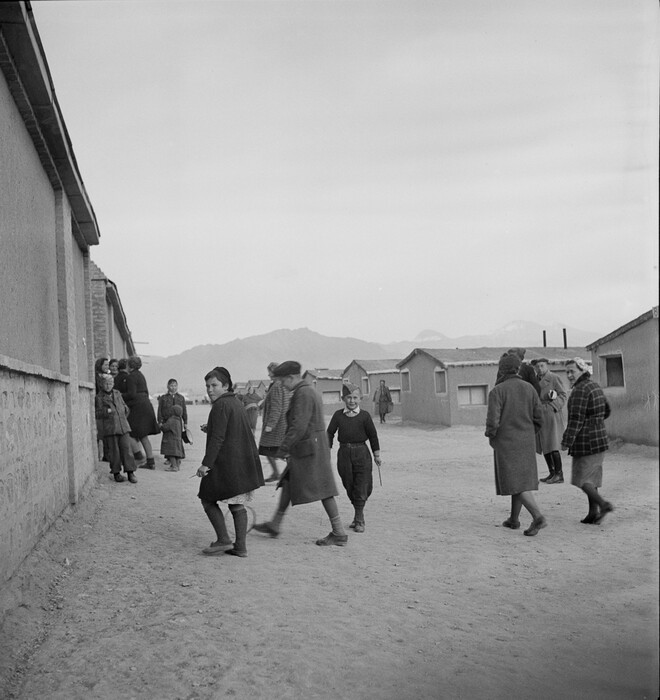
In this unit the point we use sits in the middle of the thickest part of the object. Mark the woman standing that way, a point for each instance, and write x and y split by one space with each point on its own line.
585 437
548 439
513 419
275 406
141 418
231 468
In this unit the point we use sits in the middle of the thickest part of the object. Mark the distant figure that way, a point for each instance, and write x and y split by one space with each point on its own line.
231 468
171 444
513 418
114 367
548 439
383 401
308 476
166 402
113 427
251 400
525 371
354 465
142 417
275 406
585 437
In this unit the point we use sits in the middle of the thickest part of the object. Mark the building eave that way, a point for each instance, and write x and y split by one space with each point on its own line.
646 316
23 63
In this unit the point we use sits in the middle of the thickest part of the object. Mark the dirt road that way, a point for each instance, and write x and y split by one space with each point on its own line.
435 599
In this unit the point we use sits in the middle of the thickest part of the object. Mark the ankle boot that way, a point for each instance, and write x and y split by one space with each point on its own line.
151 464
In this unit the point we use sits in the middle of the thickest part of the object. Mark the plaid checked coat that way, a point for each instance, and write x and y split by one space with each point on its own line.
588 408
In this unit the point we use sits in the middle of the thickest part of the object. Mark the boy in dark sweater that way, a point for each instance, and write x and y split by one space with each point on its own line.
354 464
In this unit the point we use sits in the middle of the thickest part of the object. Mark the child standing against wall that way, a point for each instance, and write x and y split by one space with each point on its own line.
355 427
171 444
113 427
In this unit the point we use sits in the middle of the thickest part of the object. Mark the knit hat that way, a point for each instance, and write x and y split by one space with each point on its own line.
287 368
519 352
177 410
580 364
509 364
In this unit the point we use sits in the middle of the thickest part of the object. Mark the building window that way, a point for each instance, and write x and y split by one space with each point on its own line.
472 395
405 380
614 370
365 386
396 395
331 397
440 381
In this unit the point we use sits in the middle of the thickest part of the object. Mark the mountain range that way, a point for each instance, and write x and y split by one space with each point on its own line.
247 358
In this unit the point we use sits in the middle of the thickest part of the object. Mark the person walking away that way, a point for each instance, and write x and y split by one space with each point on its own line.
112 419
548 440
120 385
585 437
355 427
383 400
308 475
252 401
231 468
526 372
275 405
512 421
171 444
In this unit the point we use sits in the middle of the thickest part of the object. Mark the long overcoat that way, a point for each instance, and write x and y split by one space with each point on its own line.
111 414
588 408
171 444
165 404
309 468
142 417
548 439
231 452
275 407
513 418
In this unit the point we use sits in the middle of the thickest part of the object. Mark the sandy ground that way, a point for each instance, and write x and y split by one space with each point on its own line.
434 600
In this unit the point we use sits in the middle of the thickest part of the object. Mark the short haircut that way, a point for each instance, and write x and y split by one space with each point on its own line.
134 362
221 374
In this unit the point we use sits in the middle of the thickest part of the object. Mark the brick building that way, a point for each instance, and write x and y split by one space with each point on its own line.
112 337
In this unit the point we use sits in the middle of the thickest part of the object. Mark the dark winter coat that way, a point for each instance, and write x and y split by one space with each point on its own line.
588 408
111 414
142 417
513 418
306 443
171 444
548 439
231 452
165 403
120 381
275 407
383 400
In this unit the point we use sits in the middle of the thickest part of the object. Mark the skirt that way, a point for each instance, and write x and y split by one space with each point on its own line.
267 451
241 499
588 470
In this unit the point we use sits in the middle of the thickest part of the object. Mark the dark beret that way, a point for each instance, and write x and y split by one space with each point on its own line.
543 359
287 368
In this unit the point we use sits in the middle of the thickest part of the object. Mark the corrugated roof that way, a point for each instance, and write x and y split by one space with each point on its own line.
376 366
325 373
476 356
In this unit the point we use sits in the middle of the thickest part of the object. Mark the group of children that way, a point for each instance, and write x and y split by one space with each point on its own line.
113 428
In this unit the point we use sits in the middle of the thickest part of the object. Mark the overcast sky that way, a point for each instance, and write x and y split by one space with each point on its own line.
366 169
